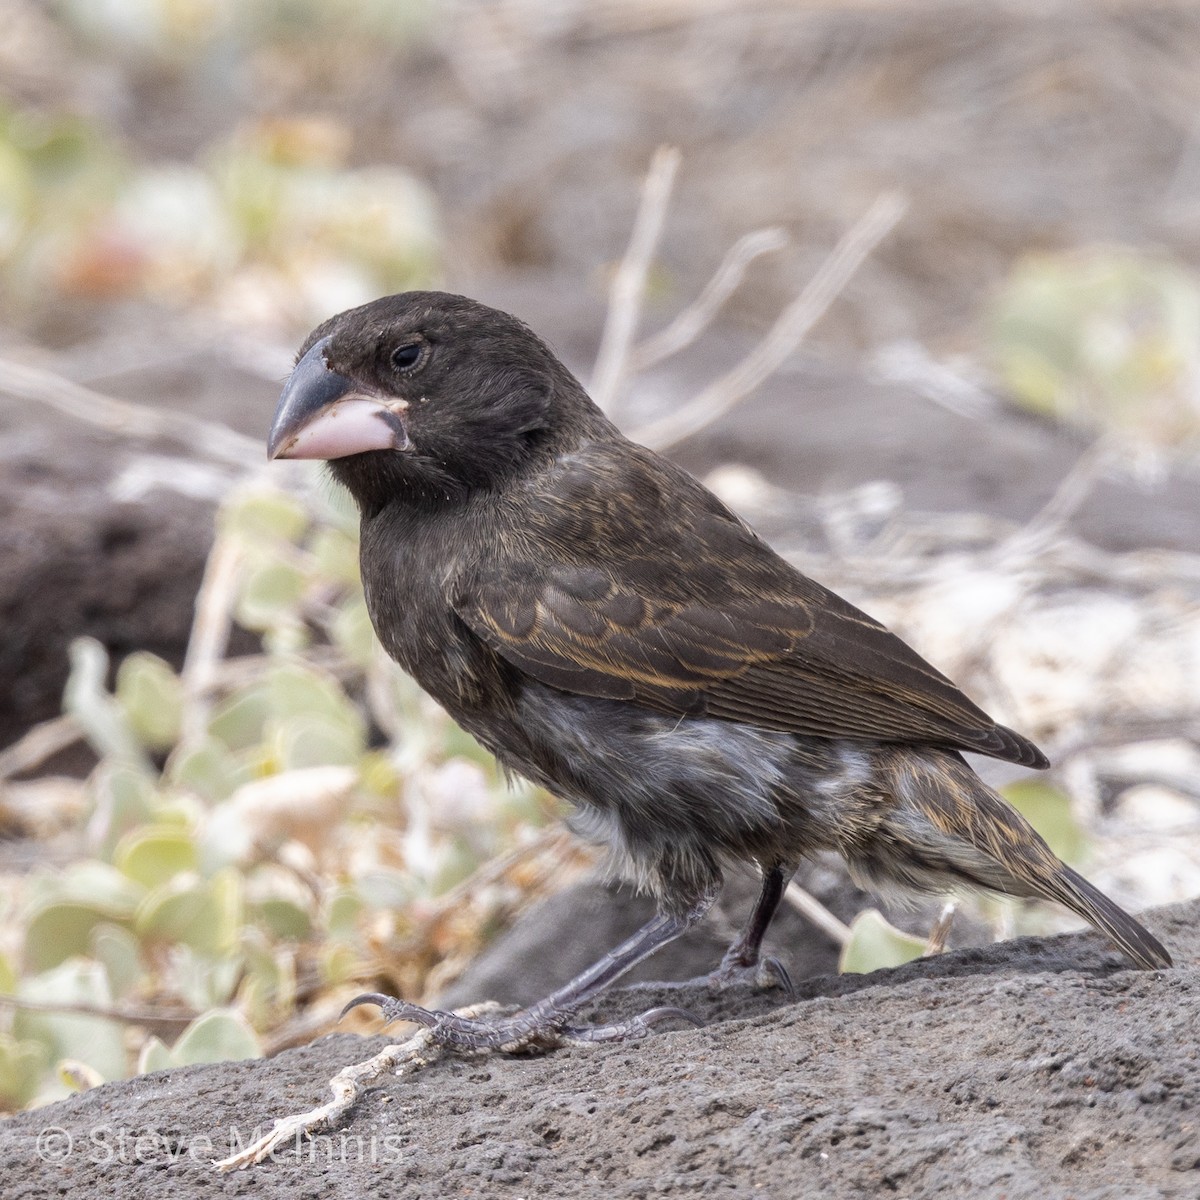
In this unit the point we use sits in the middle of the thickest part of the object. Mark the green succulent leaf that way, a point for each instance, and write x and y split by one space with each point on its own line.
23 1062
314 741
219 1036
264 515
237 723
125 798
352 632
210 768
874 943
336 555
102 719
152 856
116 949
342 910
151 697
283 918
154 1056
201 913
271 595
97 1041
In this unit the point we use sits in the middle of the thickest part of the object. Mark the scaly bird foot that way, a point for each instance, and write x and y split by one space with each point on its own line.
762 974
539 1027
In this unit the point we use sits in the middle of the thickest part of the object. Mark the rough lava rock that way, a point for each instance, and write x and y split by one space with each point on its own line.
1037 1068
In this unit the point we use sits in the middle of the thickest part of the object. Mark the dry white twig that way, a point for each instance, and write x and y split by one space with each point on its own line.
789 330
908 363
1077 485
41 742
629 283
699 315
210 635
129 420
808 906
400 1059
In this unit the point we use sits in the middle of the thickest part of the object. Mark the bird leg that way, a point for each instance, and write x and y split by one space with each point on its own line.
743 961
547 1024
935 943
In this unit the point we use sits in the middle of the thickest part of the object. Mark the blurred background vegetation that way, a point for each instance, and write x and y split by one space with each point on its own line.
245 812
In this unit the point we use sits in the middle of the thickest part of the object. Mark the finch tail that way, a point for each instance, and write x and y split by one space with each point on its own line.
999 830
946 824
1097 909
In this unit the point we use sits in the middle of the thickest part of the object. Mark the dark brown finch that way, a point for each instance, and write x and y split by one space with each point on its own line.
607 628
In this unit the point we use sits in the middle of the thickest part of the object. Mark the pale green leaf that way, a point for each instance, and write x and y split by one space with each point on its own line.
283 918
201 980
151 697
352 631
23 1062
94 884
238 721
78 1076
154 1056
151 856
336 554
314 741
874 944
210 768
96 1041
300 691
88 700
57 932
386 889
117 950
219 1036
124 798
264 515
8 975
271 595
342 909
186 909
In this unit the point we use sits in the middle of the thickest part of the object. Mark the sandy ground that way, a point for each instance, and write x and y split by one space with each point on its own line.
1037 1068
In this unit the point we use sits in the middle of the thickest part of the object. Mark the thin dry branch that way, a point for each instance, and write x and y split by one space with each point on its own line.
125 1014
789 330
129 420
210 634
629 283
1077 485
699 315
398 1060
38 744
808 906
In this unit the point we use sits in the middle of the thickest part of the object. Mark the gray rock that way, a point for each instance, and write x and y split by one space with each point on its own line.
1035 1069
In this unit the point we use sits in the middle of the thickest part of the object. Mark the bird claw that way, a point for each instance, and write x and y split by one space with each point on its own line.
394 1010
762 975
539 1027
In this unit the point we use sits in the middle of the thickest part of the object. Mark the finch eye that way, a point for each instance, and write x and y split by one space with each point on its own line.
405 357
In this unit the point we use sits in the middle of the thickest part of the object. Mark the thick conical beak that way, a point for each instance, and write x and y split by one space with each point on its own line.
322 414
